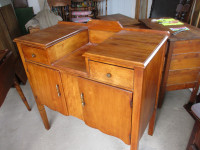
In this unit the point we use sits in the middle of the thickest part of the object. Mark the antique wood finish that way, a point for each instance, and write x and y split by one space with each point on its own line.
9 29
7 73
110 74
8 76
21 94
110 82
101 112
71 91
182 58
51 91
35 54
123 20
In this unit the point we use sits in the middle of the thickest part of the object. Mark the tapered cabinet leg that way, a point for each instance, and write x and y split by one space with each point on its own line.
152 123
19 90
43 116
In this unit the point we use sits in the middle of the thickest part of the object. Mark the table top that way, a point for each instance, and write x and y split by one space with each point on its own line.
128 48
124 20
50 36
193 33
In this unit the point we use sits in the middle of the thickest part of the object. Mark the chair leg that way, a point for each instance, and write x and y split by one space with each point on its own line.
19 90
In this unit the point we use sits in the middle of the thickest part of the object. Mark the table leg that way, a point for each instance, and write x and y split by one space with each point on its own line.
19 90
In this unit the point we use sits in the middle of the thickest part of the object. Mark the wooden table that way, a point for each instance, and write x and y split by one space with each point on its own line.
98 72
182 65
125 21
8 76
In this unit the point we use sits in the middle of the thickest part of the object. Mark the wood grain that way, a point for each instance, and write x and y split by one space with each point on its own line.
185 61
182 76
44 81
107 108
118 76
69 45
97 36
35 54
72 95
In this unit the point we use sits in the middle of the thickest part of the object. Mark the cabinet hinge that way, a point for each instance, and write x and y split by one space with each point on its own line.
130 137
131 103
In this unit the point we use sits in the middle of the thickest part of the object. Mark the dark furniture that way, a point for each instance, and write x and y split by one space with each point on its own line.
179 9
7 76
9 29
194 141
182 65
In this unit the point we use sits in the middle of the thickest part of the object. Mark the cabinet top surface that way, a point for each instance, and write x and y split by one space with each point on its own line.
192 33
128 48
50 36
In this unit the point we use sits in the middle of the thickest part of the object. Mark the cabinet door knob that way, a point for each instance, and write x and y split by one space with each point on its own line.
82 100
109 75
58 90
33 55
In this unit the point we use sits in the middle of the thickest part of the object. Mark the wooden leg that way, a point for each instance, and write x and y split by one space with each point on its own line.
152 123
19 90
192 136
193 96
43 115
161 97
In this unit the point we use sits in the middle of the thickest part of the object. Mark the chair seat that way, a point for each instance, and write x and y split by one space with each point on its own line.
196 109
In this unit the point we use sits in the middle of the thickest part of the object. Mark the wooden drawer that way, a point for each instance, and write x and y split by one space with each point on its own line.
114 75
183 76
185 61
34 54
188 46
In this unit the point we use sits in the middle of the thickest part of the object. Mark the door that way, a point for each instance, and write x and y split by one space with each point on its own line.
47 87
106 108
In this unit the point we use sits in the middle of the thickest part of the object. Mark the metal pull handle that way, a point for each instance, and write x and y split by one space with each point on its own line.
58 90
33 55
109 75
82 99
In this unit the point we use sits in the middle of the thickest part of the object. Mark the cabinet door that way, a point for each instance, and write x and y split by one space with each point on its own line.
107 108
47 87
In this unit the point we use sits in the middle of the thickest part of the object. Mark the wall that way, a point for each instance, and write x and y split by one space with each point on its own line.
35 5
125 7
4 2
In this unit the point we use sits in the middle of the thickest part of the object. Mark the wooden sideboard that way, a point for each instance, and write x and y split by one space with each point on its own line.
104 74
182 64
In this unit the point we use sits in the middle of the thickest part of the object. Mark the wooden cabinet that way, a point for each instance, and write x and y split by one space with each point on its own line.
182 63
47 87
107 108
111 82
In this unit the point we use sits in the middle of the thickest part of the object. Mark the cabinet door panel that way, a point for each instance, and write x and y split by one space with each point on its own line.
72 94
107 108
47 87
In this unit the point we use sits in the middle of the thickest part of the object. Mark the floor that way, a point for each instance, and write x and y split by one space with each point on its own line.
23 130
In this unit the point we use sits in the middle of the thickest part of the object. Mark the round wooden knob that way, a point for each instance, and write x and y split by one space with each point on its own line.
108 75
33 55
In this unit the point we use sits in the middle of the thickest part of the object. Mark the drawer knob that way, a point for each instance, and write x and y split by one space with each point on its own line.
33 55
109 75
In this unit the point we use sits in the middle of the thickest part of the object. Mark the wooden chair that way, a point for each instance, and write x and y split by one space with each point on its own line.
194 141
61 8
8 77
